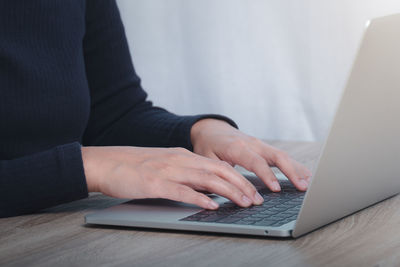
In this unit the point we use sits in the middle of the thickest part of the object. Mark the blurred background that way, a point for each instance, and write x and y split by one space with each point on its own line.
276 67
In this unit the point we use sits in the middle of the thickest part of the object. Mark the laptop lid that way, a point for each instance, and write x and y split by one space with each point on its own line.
360 162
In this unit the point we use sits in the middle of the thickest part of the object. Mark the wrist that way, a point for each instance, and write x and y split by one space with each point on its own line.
89 167
202 126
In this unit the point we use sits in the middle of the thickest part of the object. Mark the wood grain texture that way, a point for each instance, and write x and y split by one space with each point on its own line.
59 237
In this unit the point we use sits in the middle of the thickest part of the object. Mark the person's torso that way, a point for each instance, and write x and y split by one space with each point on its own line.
44 99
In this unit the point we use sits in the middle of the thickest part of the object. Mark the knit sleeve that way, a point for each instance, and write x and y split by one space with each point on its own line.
120 112
59 178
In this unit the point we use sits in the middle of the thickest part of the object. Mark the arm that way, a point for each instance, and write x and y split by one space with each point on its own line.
120 113
41 180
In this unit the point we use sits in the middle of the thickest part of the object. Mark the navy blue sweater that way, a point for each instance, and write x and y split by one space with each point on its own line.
66 80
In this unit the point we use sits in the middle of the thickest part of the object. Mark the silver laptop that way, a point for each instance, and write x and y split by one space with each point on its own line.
358 167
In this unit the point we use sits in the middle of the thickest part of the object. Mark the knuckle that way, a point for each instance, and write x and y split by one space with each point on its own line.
155 188
206 174
251 189
257 163
227 165
255 140
223 165
181 150
271 178
232 152
199 199
173 156
281 156
239 142
181 193
159 165
237 195
213 184
147 175
248 189
175 153
166 169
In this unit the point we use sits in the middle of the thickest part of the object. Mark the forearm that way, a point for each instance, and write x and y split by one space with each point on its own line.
41 180
120 112
151 126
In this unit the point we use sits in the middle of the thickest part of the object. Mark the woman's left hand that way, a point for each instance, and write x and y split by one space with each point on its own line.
217 139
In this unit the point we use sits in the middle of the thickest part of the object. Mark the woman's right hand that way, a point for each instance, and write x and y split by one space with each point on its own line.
170 173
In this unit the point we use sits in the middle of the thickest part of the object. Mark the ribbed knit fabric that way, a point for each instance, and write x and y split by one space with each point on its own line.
66 79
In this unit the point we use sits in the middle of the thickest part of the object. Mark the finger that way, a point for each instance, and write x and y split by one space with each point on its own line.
229 174
183 193
269 153
255 163
287 165
212 156
225 171
215 157
305 172
207 180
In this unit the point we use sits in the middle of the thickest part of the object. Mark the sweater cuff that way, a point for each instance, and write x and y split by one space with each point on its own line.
189 121
72 172
42 180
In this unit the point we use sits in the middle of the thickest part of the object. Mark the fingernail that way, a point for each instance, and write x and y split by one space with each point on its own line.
259 199
276 186
213 205
304 183
246 200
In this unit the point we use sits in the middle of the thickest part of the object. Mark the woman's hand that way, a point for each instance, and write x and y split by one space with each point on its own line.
217 139
171 173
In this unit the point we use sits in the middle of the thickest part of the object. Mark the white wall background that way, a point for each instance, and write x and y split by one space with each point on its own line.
277 67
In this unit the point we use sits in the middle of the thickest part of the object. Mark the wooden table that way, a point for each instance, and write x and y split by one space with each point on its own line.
59 237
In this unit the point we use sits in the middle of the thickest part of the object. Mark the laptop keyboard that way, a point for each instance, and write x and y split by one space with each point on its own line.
276 210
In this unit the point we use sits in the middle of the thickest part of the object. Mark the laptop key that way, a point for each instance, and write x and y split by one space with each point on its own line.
259 215
278 208
211 218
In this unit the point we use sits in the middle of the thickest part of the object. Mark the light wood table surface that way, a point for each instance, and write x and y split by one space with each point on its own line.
59 237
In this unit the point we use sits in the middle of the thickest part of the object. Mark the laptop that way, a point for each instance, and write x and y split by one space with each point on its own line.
358 166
